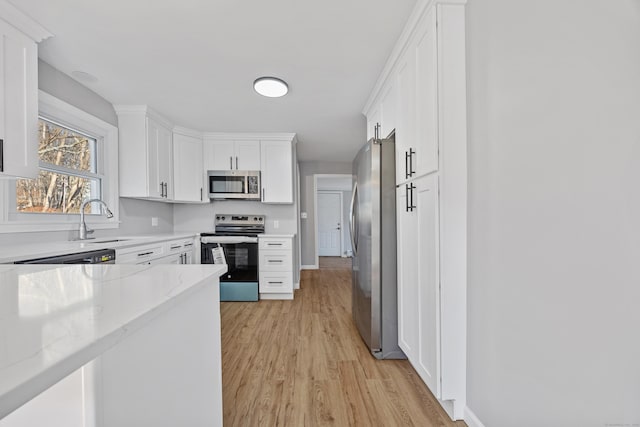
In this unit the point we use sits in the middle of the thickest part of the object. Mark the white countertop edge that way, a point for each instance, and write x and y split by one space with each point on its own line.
47 249
276 236
12 399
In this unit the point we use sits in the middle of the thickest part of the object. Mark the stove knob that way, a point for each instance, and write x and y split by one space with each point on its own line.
217 217
224 217
255 218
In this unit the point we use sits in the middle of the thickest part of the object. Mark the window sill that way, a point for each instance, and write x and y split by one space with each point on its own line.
29 227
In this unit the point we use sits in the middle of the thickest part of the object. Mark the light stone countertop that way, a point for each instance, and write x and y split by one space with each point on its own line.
54 319
12 253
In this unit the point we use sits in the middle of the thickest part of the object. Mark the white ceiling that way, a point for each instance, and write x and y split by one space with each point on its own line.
194 61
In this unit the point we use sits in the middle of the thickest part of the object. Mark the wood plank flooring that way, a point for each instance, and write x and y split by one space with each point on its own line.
303 363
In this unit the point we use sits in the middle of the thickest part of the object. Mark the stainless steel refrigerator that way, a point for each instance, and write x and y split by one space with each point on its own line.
373 238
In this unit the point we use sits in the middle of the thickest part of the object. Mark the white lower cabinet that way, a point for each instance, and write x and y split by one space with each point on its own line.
275 261
419 278
179 251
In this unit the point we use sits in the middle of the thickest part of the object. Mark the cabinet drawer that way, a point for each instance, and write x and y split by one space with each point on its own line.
274 243
275 261
138 255
276 282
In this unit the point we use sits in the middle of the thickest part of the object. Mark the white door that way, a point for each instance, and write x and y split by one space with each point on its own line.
247 155
408 287
276 171
429 281
329 224
187 168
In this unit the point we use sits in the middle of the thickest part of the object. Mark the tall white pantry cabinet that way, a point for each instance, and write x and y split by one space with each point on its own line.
422 95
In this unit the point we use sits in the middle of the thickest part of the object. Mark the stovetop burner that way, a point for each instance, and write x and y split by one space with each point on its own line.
238 225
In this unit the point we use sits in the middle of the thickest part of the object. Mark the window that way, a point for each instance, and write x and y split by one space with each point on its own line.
68 172
78 160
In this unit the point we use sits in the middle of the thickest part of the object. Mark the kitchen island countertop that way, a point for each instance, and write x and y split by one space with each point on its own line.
54 319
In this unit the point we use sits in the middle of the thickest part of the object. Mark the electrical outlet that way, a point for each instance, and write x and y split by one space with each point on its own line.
276 224
154 221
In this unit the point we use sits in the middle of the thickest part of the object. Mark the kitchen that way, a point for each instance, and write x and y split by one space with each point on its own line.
513 80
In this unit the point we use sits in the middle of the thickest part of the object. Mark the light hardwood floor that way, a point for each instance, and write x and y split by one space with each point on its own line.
302 363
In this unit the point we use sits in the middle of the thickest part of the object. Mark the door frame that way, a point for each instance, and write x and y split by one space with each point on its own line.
315 212
339 193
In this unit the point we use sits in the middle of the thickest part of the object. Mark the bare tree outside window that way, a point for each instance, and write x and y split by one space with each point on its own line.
68 172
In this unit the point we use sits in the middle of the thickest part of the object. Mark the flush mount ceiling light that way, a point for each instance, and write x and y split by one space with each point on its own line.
271 86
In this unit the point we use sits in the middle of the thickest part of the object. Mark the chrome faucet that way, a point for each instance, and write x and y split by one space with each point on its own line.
83 227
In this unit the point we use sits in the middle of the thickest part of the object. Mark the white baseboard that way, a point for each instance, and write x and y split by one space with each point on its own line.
296 285
309 267
471 419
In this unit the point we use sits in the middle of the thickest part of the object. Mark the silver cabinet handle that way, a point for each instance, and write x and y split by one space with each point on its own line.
230 162
166 190
1 155
274 244
236 162
162 189
200 193
275 283
275 260
145 253
263 194
175 247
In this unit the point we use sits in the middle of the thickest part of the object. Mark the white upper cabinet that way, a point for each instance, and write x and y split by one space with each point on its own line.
247 155
19 93
276 171
406 120
425 158
145 154
388 108
187 167
221 154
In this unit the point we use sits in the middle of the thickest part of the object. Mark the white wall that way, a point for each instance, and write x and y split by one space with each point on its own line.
554 224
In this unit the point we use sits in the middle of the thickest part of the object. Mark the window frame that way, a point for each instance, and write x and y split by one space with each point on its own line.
106 135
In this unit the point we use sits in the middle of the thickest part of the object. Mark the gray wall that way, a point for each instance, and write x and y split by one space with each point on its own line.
135 215
307 171
554 212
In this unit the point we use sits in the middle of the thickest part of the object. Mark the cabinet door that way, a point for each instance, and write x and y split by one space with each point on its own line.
426 52
407 252
18 103
219 155
427 207
373 119
388 107
165 161
276 171
187 168
406 120
154 148
247 155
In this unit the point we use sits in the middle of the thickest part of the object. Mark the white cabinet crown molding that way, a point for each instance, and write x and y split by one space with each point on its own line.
143 109
236 136
23 22
187 132
420 9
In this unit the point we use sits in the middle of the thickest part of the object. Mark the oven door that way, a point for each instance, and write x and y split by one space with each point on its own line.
241 259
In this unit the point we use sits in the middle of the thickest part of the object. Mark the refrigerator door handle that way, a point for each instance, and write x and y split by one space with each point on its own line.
352 219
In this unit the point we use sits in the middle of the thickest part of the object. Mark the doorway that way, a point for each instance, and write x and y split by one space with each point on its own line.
332 198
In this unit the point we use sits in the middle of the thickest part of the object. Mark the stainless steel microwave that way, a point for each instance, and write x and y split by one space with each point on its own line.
234 185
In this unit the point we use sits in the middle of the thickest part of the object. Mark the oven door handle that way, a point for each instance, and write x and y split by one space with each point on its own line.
228 239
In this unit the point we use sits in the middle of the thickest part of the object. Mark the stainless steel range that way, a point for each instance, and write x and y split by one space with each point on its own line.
235 242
